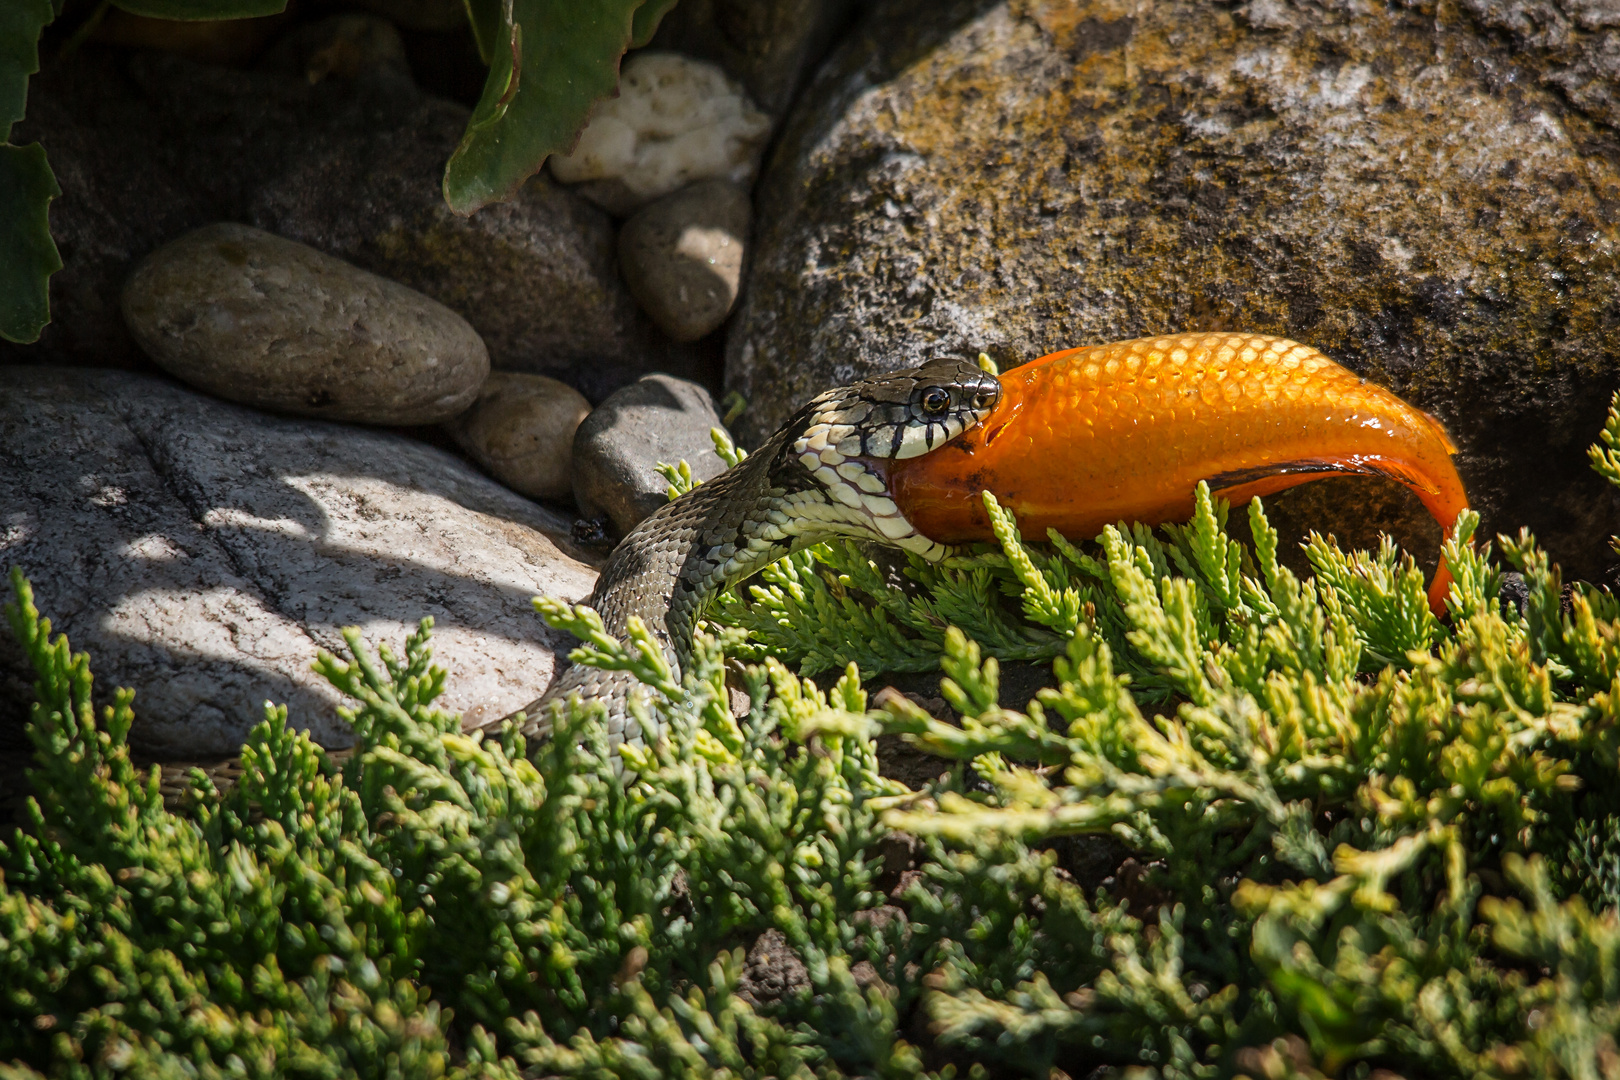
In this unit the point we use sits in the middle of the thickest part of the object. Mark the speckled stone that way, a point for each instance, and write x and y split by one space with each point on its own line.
658 418
268 322
682 257
1428 194
521 429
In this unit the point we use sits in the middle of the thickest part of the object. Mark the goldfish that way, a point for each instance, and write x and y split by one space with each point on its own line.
1125 431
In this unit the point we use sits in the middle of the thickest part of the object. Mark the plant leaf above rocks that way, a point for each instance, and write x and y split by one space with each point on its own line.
549 61
1258 825
28 256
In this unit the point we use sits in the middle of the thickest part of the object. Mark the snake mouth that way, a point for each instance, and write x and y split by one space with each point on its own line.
884 515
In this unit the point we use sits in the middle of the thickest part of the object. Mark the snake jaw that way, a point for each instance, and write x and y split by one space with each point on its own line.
850 436
859 488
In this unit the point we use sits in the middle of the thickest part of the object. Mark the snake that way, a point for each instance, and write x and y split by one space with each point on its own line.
824 474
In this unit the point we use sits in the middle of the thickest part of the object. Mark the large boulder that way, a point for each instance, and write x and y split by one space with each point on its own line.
202 553
770 46
1426 193
148 146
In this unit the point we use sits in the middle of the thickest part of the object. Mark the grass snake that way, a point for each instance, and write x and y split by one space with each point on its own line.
823 475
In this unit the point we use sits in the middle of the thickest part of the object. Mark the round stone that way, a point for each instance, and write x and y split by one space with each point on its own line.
521 429
254 318
617 449
682 257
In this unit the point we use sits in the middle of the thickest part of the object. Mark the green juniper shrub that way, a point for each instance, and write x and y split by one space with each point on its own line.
1359 838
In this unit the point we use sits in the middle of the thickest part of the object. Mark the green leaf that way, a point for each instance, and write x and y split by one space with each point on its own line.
648 16
28 255
551 61
202 10
20 24
485 17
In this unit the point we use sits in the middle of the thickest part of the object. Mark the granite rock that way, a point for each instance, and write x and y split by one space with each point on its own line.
202 553
1421 192
675 121
521 429
655 419
682 256
770 46
268 322
148 146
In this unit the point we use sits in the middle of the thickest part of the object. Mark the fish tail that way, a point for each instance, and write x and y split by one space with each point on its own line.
1438 487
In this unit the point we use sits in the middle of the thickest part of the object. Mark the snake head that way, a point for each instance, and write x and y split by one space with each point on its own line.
851 433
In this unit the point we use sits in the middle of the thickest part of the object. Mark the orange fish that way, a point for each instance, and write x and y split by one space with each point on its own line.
1087 437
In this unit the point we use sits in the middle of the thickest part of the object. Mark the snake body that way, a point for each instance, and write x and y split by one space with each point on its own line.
823 475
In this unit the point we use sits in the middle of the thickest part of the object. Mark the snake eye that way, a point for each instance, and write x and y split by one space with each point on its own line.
935 401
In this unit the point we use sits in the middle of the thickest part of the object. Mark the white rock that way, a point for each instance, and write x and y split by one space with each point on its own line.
202 554
676 120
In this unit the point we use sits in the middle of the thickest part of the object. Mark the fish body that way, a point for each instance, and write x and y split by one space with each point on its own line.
1125 431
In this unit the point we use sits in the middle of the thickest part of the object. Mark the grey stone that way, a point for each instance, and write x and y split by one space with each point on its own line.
202 553
770 46
682 257
521 429
271 323
1410 192
658 418
148 146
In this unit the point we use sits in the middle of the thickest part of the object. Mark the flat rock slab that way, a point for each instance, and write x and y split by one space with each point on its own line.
202 553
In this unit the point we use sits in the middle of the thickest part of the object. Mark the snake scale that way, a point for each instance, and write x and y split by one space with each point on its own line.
823 475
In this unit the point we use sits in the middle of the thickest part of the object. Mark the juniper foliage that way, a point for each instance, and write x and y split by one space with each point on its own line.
1345 836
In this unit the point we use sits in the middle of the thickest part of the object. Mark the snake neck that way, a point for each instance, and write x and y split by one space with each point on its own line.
672 566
